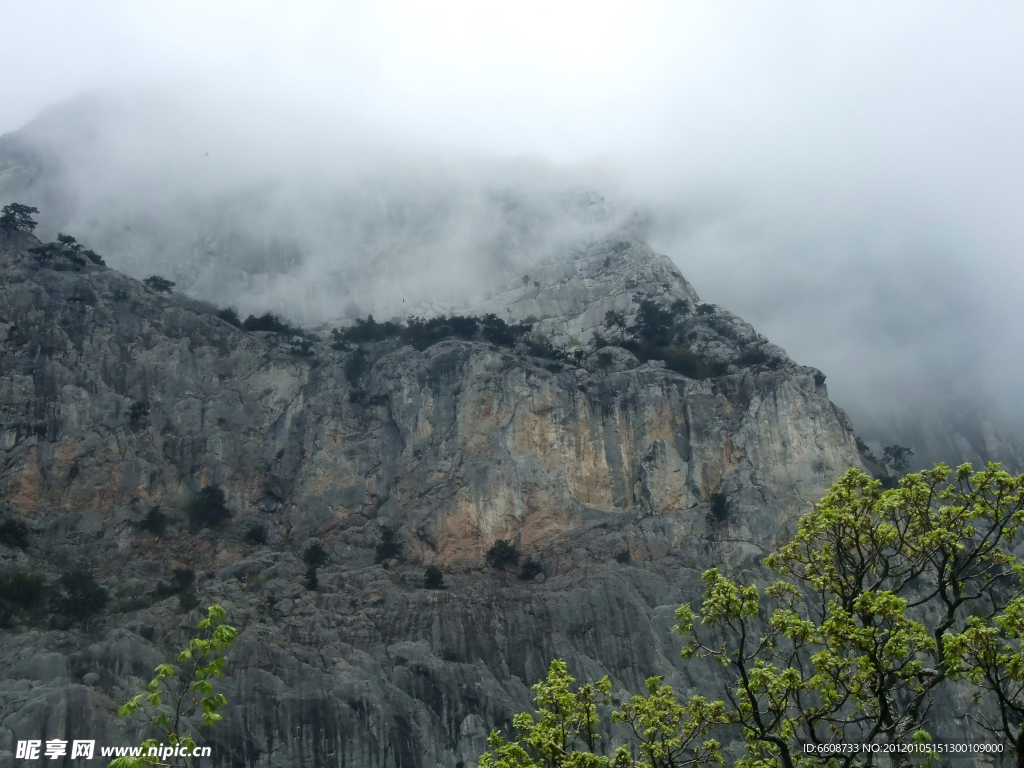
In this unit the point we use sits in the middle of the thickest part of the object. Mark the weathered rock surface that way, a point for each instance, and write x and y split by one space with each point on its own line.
455 447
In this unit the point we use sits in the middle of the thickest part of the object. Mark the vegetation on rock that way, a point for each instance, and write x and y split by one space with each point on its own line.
206 509
15 217
388 547
502 553
159 284
433 578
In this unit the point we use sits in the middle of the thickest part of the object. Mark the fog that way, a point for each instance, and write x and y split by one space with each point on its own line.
848 179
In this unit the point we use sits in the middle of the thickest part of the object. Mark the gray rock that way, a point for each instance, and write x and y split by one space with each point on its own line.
455 447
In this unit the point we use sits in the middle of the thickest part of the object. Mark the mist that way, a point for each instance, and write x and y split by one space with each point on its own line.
849 180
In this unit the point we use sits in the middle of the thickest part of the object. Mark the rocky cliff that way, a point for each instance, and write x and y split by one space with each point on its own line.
115 399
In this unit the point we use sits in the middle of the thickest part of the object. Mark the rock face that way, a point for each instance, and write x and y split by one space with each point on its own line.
115 399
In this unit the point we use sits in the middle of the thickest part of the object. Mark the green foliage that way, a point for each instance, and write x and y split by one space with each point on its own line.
206 509
314 556
894 458
719 508
539 345
21 589
565 731
78 596
154 522
269 323
256 534
529 569
615 319
388 547
366 331
230 315
653 336
67 247
652 323
159 284
863 622
623 557
173 696
881 601
14 533
138 413
867 453
15 217
357 364
502 553
187 602
433 578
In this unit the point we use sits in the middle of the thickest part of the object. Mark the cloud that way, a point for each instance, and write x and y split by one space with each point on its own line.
847 177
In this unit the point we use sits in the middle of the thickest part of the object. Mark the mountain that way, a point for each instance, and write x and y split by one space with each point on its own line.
621 479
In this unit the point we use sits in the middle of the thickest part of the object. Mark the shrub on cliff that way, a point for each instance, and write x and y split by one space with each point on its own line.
502 553
256 534
159 284
433 578
314 556
206 509
14 533
230 315
388 547
79 596
154 522
21 589
15 217
529 569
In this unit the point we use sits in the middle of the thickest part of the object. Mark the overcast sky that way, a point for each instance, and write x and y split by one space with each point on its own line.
848 177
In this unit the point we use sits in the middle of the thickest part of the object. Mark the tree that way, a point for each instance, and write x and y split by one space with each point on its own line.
566 729
881 600
433 578
15 217
615 319
14 533
894 458
207 509
174 695
159 284
873 589
314 556
79 596
389 546
502 553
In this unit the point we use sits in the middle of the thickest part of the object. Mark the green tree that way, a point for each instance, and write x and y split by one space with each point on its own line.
207 508
15 217
389 546
872 590
565 732
174 696
433 578
159 284
615 319
882 599
314 556
894 458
